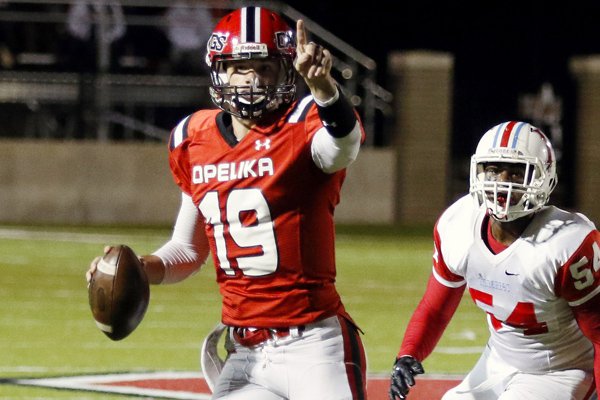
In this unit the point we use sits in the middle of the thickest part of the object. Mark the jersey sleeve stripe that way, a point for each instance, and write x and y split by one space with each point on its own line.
447 283
179 134
301 110
579 302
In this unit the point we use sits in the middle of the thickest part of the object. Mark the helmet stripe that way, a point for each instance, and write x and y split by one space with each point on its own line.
516 134
243 25
257 21
497 135
250 25
506 133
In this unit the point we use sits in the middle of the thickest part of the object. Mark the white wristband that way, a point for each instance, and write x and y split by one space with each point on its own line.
330 101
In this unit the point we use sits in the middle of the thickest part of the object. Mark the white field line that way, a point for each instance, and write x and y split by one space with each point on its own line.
459 350
78 237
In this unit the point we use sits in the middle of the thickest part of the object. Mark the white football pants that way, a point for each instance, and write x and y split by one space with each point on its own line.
493 379
325 362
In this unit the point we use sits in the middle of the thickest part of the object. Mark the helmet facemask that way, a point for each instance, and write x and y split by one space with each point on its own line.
506 200
247 34
521 149
252 101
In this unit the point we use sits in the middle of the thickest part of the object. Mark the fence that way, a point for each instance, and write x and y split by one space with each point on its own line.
114 69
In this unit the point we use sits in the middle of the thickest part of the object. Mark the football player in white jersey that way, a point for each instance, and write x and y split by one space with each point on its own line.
533 268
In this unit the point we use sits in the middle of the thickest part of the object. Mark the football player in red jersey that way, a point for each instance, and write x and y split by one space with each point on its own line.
260 178
534 269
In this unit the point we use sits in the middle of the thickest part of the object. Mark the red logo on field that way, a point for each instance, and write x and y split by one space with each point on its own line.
192 386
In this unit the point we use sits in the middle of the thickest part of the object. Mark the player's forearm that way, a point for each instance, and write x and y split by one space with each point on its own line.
179 260
597 366
336 146
155 269
185 253
422 335
324 91
337 114
587 316
430 319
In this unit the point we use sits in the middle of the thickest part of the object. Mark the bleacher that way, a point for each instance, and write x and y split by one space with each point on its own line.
107 70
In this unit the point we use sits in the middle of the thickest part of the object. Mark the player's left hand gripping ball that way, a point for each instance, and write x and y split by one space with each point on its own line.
119 292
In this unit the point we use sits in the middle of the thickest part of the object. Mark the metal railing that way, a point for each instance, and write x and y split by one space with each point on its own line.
106 90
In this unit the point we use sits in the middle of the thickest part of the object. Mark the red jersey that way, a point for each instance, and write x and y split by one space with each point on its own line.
268 212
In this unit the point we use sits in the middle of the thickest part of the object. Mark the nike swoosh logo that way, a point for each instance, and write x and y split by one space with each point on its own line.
510 273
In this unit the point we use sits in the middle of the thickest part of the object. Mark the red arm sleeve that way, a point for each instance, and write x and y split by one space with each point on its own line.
430 319
578 282
588 319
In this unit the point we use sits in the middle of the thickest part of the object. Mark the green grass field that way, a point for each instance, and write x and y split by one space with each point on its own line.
46 328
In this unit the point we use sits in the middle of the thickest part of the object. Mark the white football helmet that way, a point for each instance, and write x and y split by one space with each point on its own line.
519 143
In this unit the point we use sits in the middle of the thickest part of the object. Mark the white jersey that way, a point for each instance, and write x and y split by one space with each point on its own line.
527 289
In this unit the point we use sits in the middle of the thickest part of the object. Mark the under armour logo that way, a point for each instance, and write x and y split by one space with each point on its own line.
264 145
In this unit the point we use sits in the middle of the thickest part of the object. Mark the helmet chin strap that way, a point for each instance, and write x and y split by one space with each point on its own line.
491 213
499 209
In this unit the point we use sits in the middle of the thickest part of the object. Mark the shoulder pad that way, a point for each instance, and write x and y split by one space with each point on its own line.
179 133
300 110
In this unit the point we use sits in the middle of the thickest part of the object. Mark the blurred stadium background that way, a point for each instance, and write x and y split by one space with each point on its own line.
89 93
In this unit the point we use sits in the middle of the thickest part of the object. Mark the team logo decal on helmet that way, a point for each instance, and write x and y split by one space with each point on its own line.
217 42
525 146
284 40
245 34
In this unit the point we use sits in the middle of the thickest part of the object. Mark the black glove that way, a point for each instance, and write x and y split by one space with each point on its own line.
403 373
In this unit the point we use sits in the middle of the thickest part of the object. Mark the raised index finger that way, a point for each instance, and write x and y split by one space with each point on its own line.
301 38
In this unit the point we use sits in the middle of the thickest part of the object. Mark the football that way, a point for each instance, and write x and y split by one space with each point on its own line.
119 292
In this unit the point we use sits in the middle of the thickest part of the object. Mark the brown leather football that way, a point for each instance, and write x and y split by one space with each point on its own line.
119 292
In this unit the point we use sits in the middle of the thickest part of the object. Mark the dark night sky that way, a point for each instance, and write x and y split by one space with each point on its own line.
500 50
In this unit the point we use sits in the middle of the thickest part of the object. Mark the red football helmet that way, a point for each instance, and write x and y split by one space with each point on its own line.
244 34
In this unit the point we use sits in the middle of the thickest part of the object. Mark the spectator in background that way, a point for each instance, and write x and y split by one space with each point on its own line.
188 28
7 58
85 21
83 13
